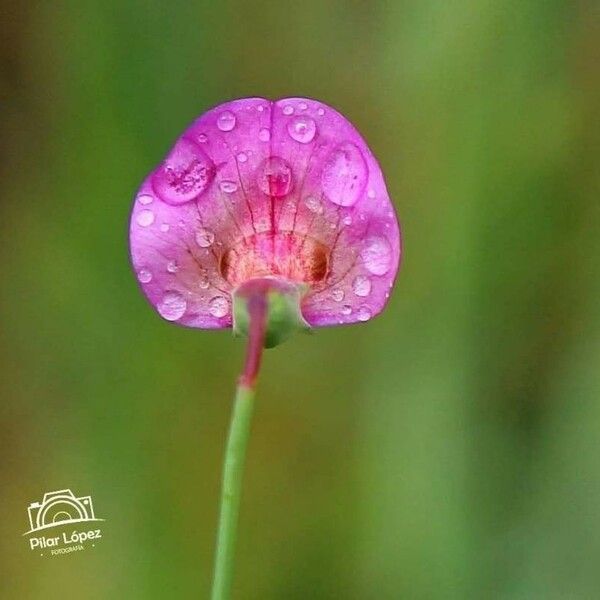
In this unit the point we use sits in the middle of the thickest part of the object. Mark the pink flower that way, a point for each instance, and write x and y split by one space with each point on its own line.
260 189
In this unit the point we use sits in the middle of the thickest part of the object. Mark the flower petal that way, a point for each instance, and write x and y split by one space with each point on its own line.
255 188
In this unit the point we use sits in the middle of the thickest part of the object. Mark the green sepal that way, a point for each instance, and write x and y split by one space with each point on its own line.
284 316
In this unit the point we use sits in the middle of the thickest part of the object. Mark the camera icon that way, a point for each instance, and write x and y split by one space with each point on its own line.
61 506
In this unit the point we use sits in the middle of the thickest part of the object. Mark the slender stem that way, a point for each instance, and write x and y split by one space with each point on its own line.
231 492
235 452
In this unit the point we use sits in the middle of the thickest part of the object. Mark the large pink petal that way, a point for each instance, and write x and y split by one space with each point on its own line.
255 188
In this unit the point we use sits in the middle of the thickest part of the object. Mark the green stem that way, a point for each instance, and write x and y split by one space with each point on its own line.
237 442
235 455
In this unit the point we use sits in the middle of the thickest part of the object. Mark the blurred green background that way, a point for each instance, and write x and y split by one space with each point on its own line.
450 448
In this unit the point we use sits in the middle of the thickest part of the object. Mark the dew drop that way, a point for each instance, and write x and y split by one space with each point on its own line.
226 121
314 205
260 108
204 237
288 109
275 177
347 220
172 306
302 129
371 193
228 187
264 135
263 224
363 313
172 266
144 276
145 218
203 138
346 309
344 175
145 199
165 227
337 295
302 106
361 286
320 112
242 157
377 255
203 282
218 306
184 174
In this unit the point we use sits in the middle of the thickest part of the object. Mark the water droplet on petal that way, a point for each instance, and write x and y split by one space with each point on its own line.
172 306
264 135
172 266
337 295
314 205
361 286
145 199
302 106
347 220
144 276
202 138
288 109
203 282
165 227
302 129
242 157
346 309
321 112
226 121
263 224
377 255
275 177
228 186
204 237
364 313
218 306
184 174
145 218
344 175
371 193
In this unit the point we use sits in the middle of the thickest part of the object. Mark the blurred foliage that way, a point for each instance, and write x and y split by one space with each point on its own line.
450 448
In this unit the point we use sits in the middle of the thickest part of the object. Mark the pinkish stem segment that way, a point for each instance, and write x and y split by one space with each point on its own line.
257 312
